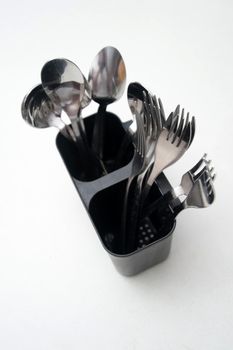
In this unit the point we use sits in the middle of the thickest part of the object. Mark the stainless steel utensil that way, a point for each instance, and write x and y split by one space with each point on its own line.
64 83
173 141
142 102
143 106
187 180
139 142
107 78
86 100
190 176
138 94
38 111
195 191
135 96
202 193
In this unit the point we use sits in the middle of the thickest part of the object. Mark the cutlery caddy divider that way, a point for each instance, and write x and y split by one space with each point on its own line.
103 199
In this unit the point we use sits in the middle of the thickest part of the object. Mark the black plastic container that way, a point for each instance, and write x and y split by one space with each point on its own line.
103 199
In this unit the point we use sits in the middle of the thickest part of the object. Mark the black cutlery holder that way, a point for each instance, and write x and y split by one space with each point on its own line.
103 198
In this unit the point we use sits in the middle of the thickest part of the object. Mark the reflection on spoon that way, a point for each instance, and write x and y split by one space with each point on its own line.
107 79
39 112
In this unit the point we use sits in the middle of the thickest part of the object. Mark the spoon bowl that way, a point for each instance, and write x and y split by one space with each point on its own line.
107 79
135 95
63 82
87 94
107 76
65 85
38 111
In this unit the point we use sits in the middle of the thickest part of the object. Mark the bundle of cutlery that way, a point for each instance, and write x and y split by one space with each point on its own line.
118 167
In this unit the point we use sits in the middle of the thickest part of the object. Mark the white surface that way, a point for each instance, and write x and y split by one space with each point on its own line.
58 288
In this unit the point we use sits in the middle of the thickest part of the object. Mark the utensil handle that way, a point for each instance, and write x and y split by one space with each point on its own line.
152 174
97 161
67 132
75 127
89 158
163 203
98 132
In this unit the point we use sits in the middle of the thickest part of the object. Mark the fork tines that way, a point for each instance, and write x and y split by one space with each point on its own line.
208 182
154 110
203 165
180 127
140 135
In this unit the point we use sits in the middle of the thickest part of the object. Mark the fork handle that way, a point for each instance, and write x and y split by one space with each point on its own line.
153 174
163 202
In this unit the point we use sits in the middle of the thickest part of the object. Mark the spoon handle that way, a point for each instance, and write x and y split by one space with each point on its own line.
67 131
98 132
81 141
75 127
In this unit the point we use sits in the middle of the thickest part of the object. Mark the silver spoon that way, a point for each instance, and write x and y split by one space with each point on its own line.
64 83
107 79
135 96
87 94
38 111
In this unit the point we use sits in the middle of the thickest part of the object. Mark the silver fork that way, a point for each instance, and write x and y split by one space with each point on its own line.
201 195
199 192
153 122
173 141
139 142
190 176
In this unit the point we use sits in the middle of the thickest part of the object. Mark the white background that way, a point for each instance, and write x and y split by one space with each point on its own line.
58 288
